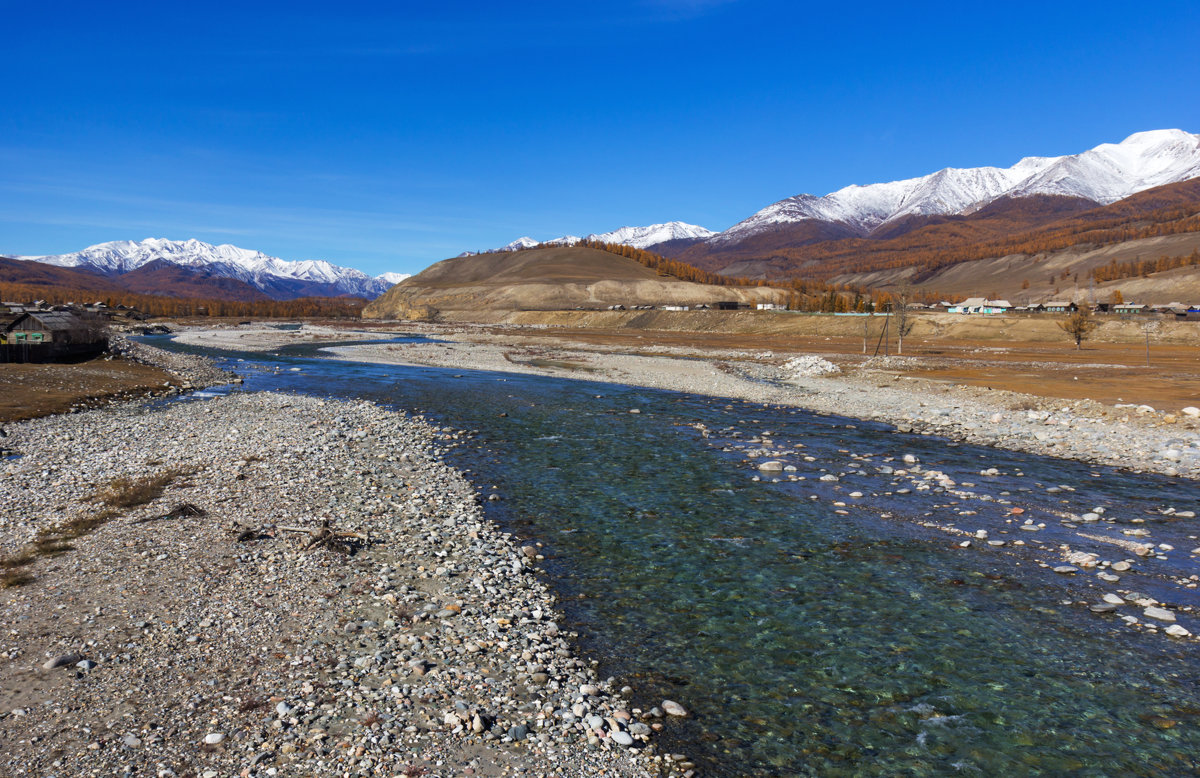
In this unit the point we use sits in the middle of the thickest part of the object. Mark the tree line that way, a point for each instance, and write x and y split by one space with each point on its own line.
1140 268
177 307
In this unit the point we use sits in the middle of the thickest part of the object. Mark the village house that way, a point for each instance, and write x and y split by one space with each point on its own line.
980 305
46 336
1060 306
1128 308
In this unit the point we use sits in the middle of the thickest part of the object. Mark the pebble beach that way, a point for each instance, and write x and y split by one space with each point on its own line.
169 626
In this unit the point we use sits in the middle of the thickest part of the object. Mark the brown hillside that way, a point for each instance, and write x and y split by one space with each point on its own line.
37 274
547 279
164 278
1015 226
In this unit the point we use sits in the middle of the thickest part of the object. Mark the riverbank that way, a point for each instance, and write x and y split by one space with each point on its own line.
160 615
1133 435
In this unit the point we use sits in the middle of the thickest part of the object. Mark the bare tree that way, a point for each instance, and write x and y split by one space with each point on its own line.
1079 325
902 311
1150 327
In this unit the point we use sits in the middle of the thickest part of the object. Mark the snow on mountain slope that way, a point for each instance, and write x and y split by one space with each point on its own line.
1105 174
642 237
638 237
276 277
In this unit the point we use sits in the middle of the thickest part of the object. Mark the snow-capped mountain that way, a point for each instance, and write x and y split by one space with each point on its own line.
644 237
275 277
1105 174
638 237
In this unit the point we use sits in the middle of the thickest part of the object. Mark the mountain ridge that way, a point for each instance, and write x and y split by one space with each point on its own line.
274 278
1101 175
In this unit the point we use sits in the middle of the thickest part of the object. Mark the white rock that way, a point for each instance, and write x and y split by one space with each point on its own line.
1162 614
672 708
1191 410
1177 631
213 738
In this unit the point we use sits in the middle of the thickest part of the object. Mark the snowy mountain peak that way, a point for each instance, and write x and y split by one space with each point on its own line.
1105 174
638 237
643 237
276 277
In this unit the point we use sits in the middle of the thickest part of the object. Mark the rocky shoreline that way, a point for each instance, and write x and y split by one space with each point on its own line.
193 372
165 615
1133 436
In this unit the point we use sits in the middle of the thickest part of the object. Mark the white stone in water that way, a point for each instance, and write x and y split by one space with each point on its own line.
910 459
1121 566
1114 599
1162 614
672 708
1090 517
771 466
1177 631
1066 569
213 738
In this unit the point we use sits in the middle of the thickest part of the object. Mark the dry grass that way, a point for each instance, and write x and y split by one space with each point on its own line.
29 391
127 492
119 493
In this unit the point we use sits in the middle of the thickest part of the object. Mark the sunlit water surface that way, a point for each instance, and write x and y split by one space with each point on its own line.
810 638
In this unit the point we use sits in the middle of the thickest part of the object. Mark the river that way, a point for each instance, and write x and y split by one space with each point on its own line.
824 627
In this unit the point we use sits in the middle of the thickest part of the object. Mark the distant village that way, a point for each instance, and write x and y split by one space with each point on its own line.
39 332
972 305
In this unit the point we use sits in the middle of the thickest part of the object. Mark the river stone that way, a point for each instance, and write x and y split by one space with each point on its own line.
589 690
1121 566
1191 410
61 661
1177 631
1162 614
1114 599
672 708
771 466
214 738
1066 569
622 738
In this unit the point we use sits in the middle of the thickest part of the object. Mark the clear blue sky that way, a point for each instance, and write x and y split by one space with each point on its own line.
386 136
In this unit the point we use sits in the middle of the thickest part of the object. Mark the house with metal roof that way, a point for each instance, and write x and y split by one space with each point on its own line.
980 305
46 336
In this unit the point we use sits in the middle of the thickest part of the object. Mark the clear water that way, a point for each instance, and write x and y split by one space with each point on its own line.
807 637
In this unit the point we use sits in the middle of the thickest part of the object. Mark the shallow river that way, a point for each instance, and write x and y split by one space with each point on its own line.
812 632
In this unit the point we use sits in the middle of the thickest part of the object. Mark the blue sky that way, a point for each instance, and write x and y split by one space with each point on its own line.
387 136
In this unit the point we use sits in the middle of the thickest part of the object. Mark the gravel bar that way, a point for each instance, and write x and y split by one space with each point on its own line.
183 632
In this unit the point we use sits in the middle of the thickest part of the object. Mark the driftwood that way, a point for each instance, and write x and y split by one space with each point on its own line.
241 533
180 511
325 536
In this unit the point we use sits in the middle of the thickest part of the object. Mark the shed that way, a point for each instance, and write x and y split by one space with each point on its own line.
45 336
1129 308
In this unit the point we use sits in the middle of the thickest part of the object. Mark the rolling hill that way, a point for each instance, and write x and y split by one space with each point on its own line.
546 279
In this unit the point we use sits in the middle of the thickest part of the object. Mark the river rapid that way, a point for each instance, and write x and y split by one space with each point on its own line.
853 613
